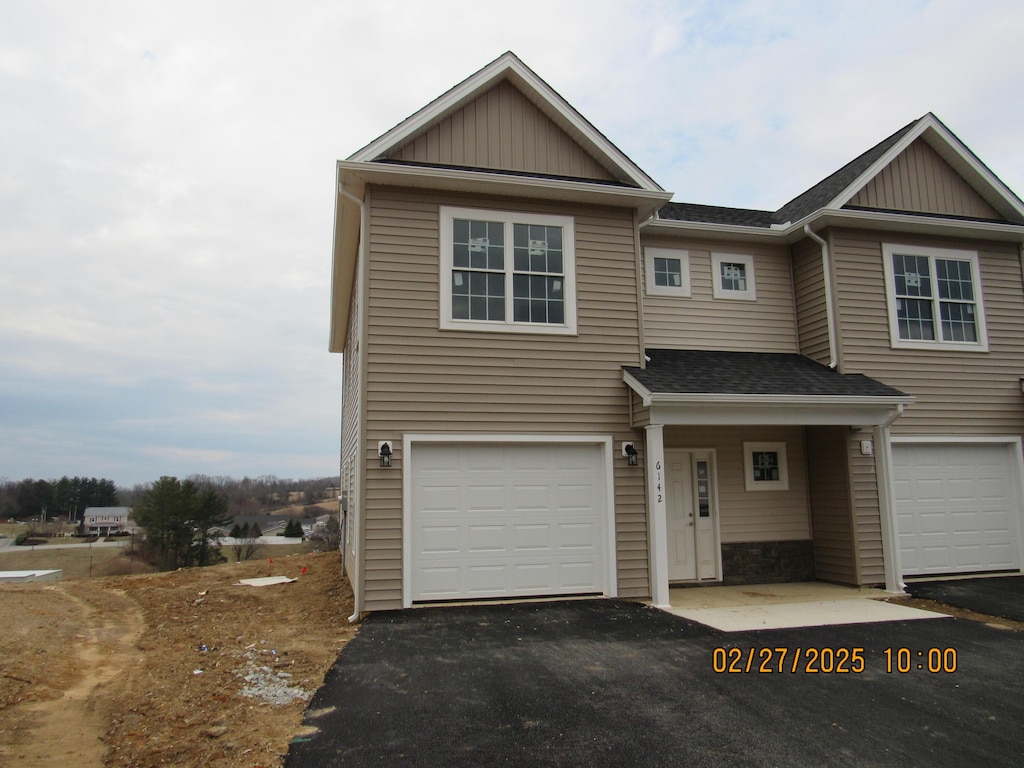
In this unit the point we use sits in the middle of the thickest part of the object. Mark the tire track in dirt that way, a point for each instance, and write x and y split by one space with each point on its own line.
69 730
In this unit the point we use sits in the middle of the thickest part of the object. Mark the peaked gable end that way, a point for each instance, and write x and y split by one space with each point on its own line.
921 181
502 130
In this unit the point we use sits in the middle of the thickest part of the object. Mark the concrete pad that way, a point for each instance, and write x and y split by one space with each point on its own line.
785 606
742 618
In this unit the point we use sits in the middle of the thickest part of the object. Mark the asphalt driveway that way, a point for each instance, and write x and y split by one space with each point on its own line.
613 683
996 596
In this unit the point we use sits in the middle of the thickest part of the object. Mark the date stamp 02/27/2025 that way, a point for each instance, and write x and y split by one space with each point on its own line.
782 659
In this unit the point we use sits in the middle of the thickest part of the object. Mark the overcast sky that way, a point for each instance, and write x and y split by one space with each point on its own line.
166 178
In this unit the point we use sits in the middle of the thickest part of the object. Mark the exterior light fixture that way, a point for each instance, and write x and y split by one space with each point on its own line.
384 451
1022 385
629 451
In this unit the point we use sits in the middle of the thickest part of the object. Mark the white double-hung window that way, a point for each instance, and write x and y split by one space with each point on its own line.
934 297
505 271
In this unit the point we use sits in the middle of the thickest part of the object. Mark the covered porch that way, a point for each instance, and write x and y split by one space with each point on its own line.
762 468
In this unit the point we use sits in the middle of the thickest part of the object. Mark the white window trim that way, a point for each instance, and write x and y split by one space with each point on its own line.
888 251
650 254
508 218
720 292
782 484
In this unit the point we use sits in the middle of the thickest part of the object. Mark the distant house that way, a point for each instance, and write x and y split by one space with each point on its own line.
104 521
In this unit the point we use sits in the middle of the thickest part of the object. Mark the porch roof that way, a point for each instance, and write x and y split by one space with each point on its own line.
707 387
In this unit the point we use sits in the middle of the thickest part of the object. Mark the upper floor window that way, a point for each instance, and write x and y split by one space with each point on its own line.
667 271
504 271
934 297
732 276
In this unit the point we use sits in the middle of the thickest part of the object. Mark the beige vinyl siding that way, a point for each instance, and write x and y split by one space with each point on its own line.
811 309
920 180
351 422
502 129
835 557
702 322
958 393
867 517
423 379
751 516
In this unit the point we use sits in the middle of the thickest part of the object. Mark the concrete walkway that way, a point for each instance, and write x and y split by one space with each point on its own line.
784 606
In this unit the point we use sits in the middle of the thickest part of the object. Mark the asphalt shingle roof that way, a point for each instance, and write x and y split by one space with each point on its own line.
802 205
687 371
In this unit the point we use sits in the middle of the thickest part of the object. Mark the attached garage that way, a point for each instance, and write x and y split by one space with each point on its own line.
507 518
958 507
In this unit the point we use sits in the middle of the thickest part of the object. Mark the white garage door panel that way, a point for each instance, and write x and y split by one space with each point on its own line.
956 508
507 520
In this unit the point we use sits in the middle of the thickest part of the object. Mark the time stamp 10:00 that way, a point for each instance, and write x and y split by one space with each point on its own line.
829 660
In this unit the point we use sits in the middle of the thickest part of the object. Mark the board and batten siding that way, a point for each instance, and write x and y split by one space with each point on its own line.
502 129
700 321
918 179
811 309
752 516
427 380
958 393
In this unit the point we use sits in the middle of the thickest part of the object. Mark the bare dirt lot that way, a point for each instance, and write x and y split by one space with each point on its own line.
185 668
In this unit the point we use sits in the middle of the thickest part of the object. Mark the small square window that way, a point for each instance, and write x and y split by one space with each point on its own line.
765 467
667 271
733 276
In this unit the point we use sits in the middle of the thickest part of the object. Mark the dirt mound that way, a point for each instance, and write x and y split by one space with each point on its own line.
186 668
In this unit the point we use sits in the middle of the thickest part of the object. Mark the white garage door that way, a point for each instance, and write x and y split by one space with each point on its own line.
956 508
507 520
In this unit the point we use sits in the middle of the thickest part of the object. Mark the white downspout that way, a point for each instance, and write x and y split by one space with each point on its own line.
829 314
357 593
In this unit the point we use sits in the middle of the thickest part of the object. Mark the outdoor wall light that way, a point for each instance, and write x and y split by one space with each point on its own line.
1022 385
629 451
384 451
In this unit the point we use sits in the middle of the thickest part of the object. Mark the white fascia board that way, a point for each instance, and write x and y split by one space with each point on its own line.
490 183
954 151
545 97
347 224
880 220
796 413
636 386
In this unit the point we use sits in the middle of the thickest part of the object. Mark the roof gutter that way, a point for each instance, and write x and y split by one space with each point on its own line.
830 318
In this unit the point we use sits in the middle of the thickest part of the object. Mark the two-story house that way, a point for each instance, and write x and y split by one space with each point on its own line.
558 382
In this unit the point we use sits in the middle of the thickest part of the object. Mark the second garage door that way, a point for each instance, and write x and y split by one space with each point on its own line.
507 520
957 508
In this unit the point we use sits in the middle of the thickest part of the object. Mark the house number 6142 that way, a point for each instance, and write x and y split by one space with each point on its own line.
657 466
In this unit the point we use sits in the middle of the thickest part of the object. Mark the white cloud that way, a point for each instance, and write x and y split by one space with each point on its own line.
166 185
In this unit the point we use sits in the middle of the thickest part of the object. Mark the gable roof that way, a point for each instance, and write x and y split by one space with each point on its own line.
835 192
509 67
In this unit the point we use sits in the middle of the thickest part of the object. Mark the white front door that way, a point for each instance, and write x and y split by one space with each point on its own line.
690 508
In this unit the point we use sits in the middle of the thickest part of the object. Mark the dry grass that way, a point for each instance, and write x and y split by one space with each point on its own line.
81 562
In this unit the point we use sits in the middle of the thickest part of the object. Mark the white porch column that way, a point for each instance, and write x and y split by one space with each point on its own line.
887 511
657 520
